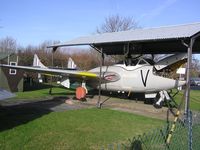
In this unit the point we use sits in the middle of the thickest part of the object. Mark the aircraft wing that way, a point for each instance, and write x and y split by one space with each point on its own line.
67 73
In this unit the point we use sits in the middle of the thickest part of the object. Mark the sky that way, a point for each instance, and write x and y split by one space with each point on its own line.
32 22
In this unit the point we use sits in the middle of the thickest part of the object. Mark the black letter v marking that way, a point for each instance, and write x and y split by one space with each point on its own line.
144 81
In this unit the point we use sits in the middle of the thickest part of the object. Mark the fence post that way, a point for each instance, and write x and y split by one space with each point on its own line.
190 130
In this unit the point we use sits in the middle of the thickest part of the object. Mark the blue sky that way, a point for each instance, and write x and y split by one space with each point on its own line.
34 21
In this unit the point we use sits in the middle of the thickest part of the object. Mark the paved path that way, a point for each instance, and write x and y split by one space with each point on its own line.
130 106
64 104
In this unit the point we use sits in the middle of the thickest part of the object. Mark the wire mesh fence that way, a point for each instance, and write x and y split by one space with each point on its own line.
185 136
196 131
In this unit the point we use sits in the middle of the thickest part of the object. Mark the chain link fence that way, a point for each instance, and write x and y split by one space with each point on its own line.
185 136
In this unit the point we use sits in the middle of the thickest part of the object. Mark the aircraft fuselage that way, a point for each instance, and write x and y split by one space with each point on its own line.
139 78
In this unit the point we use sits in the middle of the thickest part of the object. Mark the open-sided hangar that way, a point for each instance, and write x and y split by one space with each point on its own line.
162 40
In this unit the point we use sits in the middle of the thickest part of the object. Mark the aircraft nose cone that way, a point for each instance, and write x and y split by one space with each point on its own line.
180 83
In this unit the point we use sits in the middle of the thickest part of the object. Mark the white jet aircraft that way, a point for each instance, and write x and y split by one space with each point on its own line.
133 75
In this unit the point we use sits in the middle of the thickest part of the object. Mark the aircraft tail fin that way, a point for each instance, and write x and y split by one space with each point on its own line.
71 64
37 62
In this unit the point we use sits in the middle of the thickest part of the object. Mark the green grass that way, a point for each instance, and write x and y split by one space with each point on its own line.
43 93
194 99
77 129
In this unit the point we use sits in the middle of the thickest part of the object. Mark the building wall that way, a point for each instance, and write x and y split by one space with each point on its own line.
13 83
3 81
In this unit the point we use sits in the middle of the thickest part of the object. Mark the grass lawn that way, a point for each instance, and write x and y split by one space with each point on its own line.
194 99
43 93
75 129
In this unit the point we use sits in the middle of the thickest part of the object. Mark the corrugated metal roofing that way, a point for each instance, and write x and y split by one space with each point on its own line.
151 34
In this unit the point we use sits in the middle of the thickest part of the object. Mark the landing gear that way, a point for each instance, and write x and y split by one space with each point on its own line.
158 106
159 100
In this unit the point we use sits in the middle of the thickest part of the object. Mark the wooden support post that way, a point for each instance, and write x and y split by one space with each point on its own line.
189 62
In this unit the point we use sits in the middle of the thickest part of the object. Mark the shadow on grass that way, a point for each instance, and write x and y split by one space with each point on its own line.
132 97
64 94
36 86
15 115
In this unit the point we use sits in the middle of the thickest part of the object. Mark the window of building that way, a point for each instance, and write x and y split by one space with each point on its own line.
13 71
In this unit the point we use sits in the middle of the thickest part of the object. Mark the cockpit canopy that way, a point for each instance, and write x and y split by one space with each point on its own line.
137 61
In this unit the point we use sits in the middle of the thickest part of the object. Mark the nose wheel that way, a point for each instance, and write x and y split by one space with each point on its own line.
158 105
160 98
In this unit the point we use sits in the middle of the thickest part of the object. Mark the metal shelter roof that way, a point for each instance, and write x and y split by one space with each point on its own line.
160 40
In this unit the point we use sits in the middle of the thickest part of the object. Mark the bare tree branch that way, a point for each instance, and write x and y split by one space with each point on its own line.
8 44
117 23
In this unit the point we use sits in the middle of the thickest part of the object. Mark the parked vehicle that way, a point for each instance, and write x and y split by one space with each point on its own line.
195 82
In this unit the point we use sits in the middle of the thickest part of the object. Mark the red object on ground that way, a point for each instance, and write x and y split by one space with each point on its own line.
80 93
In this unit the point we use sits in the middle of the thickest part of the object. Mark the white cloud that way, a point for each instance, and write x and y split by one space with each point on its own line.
157 10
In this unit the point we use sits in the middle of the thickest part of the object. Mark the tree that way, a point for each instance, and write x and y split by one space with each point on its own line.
85 60
26 54
116 23
8 45
195 72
